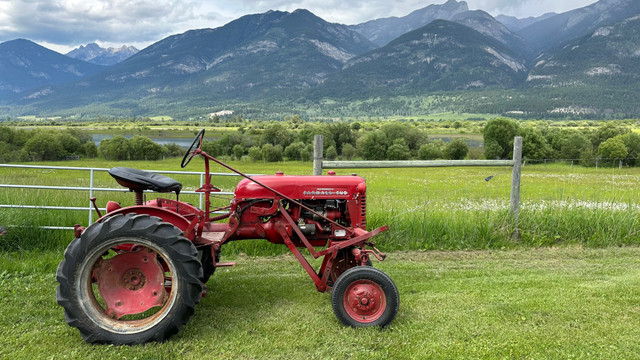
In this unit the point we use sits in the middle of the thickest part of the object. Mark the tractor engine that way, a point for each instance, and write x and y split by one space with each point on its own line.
341 199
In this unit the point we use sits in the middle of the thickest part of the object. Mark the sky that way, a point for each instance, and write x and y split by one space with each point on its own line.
63 25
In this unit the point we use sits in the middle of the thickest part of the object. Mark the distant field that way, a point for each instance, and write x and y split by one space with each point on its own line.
437 208
149 131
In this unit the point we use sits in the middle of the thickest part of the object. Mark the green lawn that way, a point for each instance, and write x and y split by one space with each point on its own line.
552 303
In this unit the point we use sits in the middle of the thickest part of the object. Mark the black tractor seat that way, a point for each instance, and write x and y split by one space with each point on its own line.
140 180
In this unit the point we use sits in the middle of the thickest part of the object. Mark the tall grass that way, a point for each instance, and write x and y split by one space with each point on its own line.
453 208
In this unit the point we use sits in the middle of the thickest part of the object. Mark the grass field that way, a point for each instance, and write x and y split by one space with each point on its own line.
552 303
427 209
569 288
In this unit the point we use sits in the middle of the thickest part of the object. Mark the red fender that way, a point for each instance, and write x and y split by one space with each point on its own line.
167 216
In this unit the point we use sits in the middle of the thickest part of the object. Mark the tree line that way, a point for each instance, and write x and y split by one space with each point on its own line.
609 141
19 145
292 139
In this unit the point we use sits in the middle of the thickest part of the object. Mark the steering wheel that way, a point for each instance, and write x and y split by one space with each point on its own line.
196 144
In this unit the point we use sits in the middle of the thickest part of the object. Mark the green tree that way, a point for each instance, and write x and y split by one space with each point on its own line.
255 153
632 143
492 150
226 143
116 148
348 151
431 151
173 150
398 150
272 153
499 132
70 144
143 148
307 153
238 151
90 149
341 134
7 134
608 131
277 134
331 153
308 133
395 130
44 146
612 149
457 149
6 155
587 157
373 146
574 145
212 148
534 145
294 151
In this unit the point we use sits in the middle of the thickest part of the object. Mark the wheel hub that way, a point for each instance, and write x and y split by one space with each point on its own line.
364 301
130 282
134 279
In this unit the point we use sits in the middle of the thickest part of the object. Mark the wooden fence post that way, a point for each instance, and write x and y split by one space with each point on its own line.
318 143
515 184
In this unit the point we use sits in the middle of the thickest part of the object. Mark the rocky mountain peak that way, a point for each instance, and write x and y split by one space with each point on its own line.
98 55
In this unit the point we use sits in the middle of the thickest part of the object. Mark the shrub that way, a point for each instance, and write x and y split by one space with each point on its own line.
238 151
613 148
457 149
294 151
255 153
272 153
399 150
373 146
499 132
431 151
331 153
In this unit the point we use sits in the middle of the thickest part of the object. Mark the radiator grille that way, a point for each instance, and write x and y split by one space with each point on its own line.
363 211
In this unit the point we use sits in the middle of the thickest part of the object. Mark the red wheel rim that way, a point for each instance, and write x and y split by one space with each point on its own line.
364 301
130 282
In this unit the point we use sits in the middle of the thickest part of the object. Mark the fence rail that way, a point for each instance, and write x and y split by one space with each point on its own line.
91 189
411 164
319 164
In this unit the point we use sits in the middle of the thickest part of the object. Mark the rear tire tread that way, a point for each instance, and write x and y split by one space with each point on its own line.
165 236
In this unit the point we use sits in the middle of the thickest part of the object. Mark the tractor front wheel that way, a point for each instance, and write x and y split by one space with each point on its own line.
130 279
365 296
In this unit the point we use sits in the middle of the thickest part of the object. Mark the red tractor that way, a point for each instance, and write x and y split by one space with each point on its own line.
136 274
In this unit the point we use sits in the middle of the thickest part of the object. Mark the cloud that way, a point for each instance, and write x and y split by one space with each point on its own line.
526 8
69 23
340 11
82 21
357 11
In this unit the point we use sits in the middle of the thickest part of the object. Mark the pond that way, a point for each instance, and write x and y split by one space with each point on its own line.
447 139
182 142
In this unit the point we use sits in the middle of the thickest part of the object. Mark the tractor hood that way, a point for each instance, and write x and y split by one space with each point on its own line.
302 187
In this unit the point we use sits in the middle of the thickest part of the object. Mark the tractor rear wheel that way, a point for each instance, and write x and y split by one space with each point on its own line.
130 279
365 296
208 267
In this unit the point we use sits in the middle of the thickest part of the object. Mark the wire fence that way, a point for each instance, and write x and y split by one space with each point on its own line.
586 162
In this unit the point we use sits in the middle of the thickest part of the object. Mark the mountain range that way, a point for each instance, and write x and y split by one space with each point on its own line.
300 60
442 55
25 65
98 55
